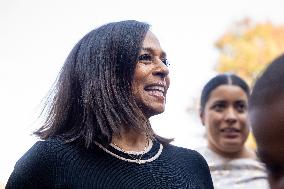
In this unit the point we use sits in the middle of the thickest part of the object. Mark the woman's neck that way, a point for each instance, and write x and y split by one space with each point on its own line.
131 140
243 153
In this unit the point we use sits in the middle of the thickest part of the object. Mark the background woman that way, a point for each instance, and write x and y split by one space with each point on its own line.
97 132
223 112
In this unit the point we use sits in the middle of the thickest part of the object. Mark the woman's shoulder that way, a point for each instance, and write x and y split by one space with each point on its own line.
190 161
250 163
41 151
180 149
49 145
35 167
184 152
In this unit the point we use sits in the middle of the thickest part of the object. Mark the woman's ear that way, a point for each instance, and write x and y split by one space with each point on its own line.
201 115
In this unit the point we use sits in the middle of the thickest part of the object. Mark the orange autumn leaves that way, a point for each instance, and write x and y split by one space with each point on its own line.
247 48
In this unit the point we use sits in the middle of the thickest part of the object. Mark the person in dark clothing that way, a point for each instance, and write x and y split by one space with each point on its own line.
266 107
97 132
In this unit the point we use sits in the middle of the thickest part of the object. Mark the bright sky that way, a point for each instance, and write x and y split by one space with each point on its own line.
36 37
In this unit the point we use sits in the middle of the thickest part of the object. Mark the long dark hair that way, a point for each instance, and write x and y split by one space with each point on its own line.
92 97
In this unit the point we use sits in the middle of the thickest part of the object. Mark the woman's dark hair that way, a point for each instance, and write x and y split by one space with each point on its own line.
221 79
92 97
269 87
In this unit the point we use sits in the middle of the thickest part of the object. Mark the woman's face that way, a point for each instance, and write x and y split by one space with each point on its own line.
225 119
151 80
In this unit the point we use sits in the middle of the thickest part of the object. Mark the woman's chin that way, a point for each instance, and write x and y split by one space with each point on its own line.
152 111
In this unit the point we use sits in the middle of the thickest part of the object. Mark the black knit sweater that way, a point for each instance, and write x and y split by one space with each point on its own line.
54 164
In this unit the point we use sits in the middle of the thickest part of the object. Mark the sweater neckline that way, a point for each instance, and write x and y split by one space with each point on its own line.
147 149
152 153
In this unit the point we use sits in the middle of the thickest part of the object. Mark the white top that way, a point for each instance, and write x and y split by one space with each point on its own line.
241 173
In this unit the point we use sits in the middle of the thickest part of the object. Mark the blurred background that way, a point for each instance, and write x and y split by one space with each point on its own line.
201 38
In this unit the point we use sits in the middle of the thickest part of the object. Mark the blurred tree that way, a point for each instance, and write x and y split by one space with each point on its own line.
247 48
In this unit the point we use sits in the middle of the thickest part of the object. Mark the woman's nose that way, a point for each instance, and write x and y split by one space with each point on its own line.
161 69
231 115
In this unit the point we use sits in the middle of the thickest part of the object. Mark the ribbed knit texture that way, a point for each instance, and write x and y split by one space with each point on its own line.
53 164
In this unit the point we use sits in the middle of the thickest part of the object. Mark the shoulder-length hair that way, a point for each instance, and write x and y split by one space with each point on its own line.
92 97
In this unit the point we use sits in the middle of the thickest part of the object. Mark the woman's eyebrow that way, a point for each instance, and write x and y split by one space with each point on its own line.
150 50
241 101
146 49
219 101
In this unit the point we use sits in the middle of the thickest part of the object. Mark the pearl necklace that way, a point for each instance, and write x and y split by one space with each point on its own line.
131 153
133 159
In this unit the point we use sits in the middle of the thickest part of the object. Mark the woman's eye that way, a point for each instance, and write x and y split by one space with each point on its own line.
241 107
145 58
218 107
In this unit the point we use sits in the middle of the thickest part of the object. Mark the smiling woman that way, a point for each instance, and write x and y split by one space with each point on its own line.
97 132
223 112
151 77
